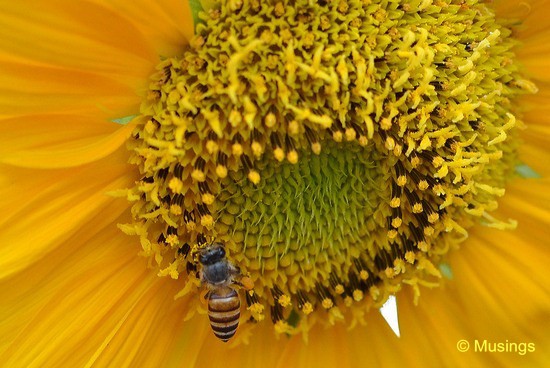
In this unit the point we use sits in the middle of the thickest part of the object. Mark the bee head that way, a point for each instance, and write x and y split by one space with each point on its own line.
212 254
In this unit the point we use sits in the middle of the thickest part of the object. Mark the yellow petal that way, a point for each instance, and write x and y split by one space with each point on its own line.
57 140
148 333
48 147
535 151
534 55
60 318
36 89
167 24
70 56
43 209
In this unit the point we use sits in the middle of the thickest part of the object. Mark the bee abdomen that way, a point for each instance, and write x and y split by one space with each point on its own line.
224 311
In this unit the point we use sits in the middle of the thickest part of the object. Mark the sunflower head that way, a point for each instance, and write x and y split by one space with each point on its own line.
339 150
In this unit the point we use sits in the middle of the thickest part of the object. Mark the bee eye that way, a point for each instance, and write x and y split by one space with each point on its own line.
221 252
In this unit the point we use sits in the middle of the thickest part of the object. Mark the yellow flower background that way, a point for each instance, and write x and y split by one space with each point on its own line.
74 292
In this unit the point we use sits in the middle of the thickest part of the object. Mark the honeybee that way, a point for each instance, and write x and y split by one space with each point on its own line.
219 276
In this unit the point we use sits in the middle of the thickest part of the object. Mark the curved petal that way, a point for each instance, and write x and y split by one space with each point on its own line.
71 56
42 209
167 24
58 141
533 33
36 89
147 335
534 56
59 315
532 13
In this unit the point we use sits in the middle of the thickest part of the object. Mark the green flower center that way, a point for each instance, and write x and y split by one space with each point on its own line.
339 150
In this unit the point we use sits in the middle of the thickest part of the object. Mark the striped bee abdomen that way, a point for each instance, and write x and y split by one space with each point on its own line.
224 310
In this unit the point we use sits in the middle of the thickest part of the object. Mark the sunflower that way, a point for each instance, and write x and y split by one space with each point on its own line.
350 156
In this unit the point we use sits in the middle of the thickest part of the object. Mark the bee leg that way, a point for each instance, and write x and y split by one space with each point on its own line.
247 283
204 296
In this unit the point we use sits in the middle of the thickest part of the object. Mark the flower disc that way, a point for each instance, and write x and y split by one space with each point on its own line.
338 150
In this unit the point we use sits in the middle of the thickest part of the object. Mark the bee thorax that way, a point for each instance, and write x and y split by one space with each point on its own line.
216 274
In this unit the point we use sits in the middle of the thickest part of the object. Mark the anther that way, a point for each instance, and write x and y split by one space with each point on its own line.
251 173
172 236
257 145
167 199
383 260
201 240
184 250
278 151
415 160
293 126
161 239
280 297
221 166
191 268
336 284
432 215
303 303
418 236
396 192
206 195
165 75
350 134
361 268
418 180
337 132
396 250
292 154
162 173
177 200
389 143
270 120
211 144
251 298
400 173
324 296
313 140
237 147
204 212
432 157
175 185
361 135
178 170
198 173
414 201
235 118
396 218
189 220
451 144
276 292
276 313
